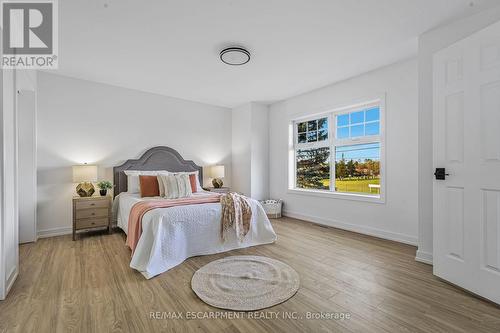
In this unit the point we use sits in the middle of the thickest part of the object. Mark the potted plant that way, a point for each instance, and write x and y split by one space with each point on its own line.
104 186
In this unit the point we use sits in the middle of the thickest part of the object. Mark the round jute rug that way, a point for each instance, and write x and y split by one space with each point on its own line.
245 283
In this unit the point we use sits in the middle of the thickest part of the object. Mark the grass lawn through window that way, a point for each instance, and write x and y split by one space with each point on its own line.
355 185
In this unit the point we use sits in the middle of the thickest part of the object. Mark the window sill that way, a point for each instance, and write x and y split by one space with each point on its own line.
337 195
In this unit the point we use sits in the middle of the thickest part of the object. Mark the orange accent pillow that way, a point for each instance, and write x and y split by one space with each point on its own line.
192 180
149 186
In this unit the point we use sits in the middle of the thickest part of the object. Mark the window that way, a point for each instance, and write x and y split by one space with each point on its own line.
312 130
340 152
357 168
358 124
313 168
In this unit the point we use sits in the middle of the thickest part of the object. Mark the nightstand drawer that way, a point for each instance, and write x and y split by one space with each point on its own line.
91 223
84 204
91 213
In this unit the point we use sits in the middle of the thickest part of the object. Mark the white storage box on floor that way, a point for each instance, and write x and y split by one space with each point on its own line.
272 208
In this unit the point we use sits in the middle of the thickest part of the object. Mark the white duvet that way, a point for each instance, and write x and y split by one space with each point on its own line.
171 235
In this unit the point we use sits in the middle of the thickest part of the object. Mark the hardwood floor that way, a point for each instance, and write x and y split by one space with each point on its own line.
87 286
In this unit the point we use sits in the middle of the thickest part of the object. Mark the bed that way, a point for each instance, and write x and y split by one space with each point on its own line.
171 235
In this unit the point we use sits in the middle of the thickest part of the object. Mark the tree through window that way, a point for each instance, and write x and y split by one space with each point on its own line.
348 160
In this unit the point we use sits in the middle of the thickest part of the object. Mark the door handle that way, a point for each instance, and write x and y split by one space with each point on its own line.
441 174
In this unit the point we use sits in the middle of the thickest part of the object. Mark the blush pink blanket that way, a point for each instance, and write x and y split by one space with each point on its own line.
141 208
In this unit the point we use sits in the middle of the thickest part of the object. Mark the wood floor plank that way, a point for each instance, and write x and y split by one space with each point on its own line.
88 286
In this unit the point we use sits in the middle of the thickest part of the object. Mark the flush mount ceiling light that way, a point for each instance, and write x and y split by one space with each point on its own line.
235 56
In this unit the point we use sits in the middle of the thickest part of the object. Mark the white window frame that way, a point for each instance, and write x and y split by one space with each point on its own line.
332 142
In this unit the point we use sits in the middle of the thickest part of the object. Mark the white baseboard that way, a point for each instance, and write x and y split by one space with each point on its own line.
10 281
424 257
54 232
402 238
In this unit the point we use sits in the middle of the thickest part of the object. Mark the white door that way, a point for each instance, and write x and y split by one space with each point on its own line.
467 144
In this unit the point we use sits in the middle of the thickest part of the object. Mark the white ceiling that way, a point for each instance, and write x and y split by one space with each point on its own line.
171 47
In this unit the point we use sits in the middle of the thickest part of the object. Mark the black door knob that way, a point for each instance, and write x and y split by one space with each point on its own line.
441 174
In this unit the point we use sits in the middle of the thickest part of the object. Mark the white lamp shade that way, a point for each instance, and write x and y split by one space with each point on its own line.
84 173
217 171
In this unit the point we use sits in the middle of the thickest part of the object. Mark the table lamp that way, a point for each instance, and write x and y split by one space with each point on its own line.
217 172
85 175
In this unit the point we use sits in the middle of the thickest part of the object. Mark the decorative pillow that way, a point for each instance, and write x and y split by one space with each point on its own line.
176 186
133 185
184 186
161 186
170 187
192 181
198 186
149 186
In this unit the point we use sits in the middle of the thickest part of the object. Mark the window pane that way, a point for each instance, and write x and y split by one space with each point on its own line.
372 128
322 129
302 127
302 138
323 124
357 169
322 135
357 117
342 133
312 136
357 123
357 130
343 120
373 114
312 125
313 168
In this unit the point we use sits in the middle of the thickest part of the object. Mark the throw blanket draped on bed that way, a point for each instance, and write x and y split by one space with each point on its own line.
235 212
141 208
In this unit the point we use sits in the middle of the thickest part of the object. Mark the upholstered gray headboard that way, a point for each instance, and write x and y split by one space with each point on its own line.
156 158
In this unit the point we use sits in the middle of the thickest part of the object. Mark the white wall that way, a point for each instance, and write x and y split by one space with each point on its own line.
250 152
429 44
81 121
260 151
241 149
396 218
9 252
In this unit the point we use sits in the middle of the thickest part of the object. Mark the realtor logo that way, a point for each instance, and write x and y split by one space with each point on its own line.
29 34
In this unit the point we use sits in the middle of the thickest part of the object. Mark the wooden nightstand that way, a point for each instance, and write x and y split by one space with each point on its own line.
91 213
218 190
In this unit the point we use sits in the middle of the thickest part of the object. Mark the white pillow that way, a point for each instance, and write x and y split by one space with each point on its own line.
161 187
176 186
184 185
198 186
133 185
